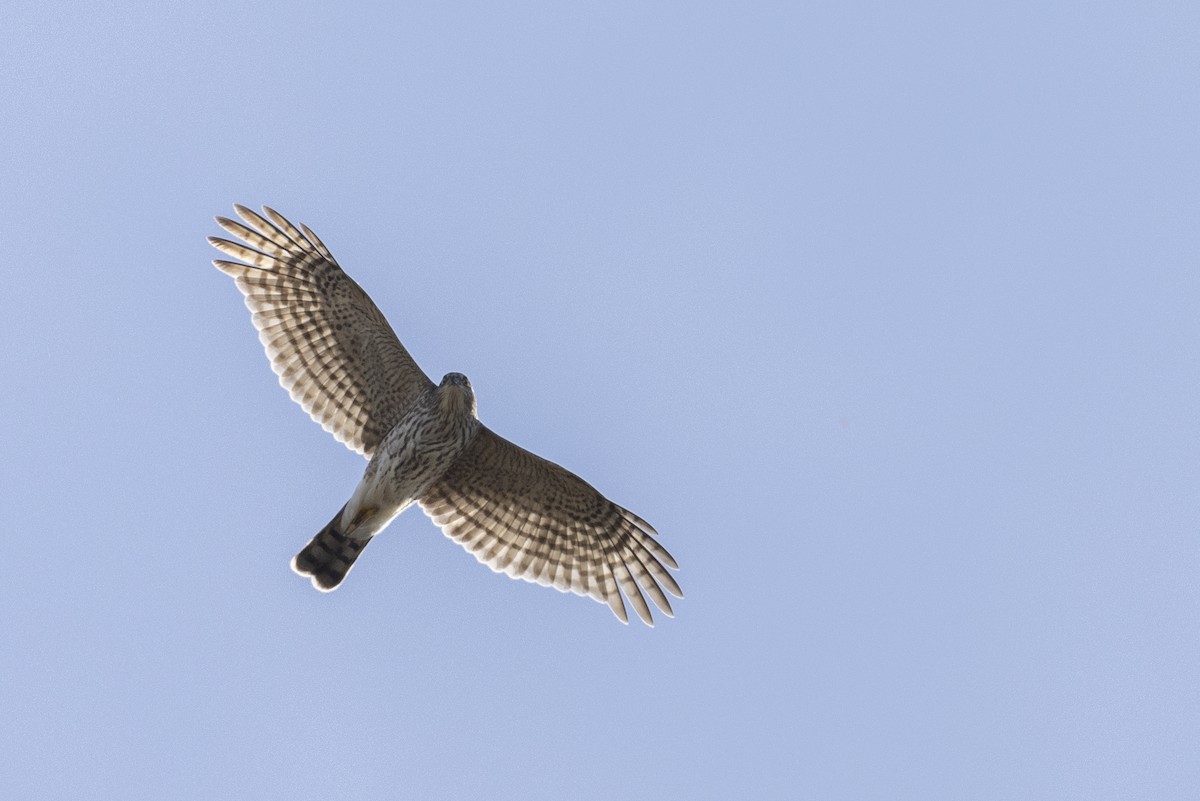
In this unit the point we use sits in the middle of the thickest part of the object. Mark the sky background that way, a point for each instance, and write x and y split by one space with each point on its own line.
885 315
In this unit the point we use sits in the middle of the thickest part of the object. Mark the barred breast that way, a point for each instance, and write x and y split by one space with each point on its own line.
418 451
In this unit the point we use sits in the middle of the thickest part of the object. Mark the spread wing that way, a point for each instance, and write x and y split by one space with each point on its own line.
332 348
528 517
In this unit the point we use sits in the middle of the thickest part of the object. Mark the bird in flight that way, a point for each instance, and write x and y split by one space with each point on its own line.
339 359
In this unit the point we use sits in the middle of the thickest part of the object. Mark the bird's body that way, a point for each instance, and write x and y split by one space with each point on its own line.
414 454
338 357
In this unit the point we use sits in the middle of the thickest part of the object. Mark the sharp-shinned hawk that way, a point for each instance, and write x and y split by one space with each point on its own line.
340 360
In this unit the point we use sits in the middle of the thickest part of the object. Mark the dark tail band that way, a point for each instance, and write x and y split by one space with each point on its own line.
328 556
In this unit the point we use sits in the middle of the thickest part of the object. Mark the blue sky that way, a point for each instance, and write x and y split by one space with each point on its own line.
885 315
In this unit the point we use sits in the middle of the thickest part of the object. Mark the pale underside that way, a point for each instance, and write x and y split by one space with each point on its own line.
339 359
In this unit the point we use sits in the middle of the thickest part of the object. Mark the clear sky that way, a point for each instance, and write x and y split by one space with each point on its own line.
884 314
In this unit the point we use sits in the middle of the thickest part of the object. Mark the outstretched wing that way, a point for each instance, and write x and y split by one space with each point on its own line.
528 517
332 348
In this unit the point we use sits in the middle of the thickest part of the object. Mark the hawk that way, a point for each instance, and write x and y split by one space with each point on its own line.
339 359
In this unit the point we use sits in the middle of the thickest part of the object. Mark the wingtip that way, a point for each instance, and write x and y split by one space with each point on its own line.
618 608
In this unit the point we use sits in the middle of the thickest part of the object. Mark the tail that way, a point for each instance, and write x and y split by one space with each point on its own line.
328 556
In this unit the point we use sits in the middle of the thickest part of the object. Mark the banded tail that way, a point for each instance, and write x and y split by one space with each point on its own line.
328 556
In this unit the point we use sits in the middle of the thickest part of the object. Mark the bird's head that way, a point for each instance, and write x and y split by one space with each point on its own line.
456 391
